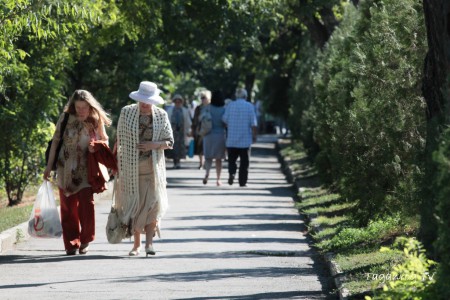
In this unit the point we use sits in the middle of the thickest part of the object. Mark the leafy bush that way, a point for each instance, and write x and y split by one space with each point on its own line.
369 110
301 95
39 43
413 279
333 83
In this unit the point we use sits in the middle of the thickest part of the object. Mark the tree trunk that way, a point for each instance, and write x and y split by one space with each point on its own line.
249 82
435 217
435 89
320 29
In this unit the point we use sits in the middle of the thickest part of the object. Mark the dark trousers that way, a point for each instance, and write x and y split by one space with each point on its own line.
243 155
77 218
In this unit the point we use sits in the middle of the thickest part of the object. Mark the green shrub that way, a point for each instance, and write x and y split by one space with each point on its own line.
301 95
369 117
413 279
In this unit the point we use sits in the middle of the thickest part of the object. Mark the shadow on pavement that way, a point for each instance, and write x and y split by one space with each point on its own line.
36 259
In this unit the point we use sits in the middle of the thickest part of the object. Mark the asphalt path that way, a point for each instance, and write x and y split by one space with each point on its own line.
226 242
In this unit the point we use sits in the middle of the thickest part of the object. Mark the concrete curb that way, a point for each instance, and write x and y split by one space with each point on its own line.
335 270
338 275
10 237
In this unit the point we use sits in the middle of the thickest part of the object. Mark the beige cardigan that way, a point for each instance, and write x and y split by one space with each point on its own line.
127 189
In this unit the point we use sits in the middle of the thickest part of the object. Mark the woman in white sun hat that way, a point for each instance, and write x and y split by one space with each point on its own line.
143 133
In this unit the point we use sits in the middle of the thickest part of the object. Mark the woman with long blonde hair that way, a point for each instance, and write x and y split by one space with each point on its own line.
85 121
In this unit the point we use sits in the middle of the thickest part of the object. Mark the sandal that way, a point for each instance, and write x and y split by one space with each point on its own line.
134 251
149 251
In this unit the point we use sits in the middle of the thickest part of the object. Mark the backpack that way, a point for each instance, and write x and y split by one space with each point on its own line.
205 121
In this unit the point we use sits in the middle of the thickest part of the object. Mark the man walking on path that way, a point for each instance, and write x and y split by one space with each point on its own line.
240 119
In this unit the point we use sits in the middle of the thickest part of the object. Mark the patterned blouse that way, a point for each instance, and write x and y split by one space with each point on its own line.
145 134
72 170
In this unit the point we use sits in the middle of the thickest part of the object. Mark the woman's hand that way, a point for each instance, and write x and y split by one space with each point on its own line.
47 172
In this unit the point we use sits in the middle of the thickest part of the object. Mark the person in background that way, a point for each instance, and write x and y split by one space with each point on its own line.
214 141
181 126
240 119
168 107
86 123
205 97
259 115
192 106
143 133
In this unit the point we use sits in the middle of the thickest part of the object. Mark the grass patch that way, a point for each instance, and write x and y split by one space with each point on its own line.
375 233
323 234
13 216
359 287
356 250
293 151
304 173
311 193
333 209
330 221
310 200
299 163
364 261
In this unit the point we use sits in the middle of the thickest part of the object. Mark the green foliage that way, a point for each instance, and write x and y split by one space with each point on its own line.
413 279
288 89
333 83
301 94
369 110
30 20
230 51
39 43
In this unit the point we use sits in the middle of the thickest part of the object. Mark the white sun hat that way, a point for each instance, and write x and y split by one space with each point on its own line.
148 93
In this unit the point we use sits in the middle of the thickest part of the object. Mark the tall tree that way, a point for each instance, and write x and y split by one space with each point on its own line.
37 43
435 91
304 25
435 213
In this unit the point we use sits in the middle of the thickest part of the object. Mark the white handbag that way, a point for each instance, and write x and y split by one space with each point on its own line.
116 231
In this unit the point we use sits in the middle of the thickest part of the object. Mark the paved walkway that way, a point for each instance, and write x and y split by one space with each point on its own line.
222 242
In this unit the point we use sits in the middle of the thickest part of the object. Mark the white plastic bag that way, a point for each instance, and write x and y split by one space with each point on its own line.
44 221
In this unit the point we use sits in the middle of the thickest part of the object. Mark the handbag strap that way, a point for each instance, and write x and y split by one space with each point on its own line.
113 198
61 134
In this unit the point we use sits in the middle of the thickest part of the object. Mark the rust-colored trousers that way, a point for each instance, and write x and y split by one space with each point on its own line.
77 218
